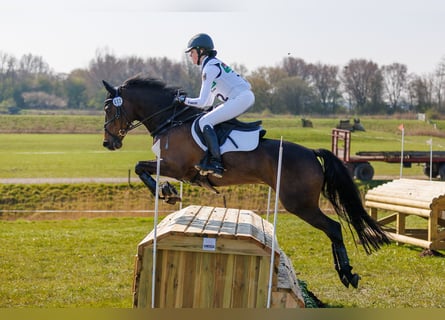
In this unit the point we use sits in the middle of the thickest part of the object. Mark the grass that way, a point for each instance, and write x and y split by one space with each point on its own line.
71 263
89 263
68 155
64 155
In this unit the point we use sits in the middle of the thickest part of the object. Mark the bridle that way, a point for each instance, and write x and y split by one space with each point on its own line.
118 102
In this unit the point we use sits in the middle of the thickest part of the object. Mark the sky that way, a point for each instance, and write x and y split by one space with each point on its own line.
254 33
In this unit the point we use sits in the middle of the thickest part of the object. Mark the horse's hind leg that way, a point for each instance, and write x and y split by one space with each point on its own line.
332 229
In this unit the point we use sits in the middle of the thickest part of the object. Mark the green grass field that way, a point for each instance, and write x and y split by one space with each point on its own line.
89 263
74 261
28 155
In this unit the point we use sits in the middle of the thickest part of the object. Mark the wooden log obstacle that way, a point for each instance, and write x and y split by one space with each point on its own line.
210 257
392 203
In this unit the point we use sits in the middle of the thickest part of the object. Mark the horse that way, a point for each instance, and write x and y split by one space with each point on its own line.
305 175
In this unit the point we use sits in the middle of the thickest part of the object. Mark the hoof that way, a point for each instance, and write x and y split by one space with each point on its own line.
345 281
352 280
172 200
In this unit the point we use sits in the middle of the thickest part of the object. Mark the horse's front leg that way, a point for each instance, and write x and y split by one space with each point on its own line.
144 169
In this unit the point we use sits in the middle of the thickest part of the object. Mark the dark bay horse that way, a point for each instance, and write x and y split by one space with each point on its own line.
306 173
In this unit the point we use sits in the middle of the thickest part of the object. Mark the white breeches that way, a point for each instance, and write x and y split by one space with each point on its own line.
230 109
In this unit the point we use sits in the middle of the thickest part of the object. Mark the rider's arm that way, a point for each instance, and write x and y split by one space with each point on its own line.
205 98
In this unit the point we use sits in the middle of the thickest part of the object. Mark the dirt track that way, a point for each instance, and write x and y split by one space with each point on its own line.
125 180
62 180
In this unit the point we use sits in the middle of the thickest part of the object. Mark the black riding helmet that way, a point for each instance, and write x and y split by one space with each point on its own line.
201 41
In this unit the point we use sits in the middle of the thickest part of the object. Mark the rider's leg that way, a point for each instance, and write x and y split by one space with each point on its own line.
213 165
226 111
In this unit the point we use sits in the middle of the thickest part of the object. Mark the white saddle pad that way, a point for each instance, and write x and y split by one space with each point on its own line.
239 140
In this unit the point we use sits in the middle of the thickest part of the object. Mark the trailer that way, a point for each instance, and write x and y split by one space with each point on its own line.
360 167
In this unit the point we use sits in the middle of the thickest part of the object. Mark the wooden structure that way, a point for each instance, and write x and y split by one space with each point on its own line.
392 203
211 257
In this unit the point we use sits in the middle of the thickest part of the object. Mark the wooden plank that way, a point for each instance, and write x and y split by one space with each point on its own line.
268 234
228 246
410 240
174 222
263 281
229 224
205 281
388 219
389 198
228 283
197 280
244 224
239 282
190 277
136 276
180 221
199 222
144 287
411 189
398 208
400 223
252 281
221 277
180 289
214 223
258 229
169 279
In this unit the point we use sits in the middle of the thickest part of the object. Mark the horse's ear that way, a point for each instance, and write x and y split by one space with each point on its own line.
109 87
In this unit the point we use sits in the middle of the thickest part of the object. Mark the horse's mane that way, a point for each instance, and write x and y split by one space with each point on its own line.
146 82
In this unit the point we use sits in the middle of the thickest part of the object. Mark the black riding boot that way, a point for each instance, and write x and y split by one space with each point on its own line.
212 163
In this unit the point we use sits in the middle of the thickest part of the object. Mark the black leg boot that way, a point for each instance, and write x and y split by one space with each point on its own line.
213 165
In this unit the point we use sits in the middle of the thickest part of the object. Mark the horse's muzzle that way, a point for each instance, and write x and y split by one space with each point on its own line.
112 144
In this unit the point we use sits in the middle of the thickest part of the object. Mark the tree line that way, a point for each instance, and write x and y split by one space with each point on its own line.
291 87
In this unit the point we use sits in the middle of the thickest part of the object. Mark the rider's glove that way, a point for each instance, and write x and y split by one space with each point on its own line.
181 98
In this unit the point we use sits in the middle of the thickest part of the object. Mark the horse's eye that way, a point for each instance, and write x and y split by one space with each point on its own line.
107 108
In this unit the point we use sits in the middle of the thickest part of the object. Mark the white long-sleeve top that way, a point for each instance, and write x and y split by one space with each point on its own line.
218 81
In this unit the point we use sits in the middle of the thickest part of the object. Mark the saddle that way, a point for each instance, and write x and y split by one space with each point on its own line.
231 131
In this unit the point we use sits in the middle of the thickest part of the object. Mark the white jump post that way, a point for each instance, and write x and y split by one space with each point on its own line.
157 151
277 193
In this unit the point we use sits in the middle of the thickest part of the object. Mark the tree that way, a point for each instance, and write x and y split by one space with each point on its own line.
296 67
76 91
106 66
8 76
440 84
326 85
395 81
30 64
262 89
420 92
294 96
362 82
264 82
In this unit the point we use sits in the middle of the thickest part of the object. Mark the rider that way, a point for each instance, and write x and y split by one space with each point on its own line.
218 81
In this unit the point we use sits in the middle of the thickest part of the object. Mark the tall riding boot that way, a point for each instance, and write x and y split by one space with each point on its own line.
211 164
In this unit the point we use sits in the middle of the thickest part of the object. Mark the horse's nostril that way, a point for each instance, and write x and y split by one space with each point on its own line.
105 143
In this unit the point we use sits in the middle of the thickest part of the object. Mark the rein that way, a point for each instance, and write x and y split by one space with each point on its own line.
118 103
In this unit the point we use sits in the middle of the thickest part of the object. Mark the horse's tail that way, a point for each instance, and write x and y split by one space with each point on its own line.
341 191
